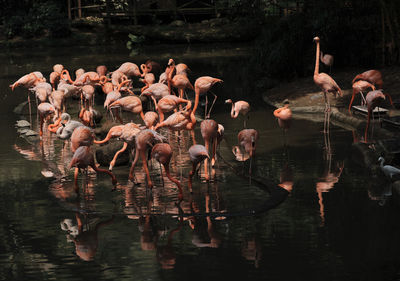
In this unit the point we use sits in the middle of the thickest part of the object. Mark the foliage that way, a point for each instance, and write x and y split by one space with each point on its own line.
35 20
134 43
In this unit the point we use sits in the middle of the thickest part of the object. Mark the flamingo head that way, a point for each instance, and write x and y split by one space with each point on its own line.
316 39
171 62
228 101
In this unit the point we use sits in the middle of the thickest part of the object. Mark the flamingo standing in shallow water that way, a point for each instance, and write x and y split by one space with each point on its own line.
239 107
162 152
197 154
209 132
203 85
45 110
327 85
247 139
284 115
83 157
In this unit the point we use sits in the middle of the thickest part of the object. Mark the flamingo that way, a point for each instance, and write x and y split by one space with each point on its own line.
130 103
153 67
55 79
156 90
197 153
247 139
327 60
162 152
129 69
327 85
27 81
106 86
58 68
45 110
372 76
359 87
83 157
90 77
373 99
128 134
81 136
209 132
114 132
202 85
239 107
117 77
179 81
147 77
169 103
150 119
57 100
284 115
41 94
143 139
67 127
101 70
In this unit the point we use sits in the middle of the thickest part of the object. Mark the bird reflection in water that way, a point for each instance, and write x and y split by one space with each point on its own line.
251 250
85 234
327 182
381 193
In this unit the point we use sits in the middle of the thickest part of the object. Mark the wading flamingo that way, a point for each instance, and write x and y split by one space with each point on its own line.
247 139
327 85
162 152
209 132
373 99
83 157
239 107
202 85
197 154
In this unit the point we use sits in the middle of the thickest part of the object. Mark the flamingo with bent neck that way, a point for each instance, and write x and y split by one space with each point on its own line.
162 152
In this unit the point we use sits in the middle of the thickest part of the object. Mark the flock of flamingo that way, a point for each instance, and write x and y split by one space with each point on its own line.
169 94
119 95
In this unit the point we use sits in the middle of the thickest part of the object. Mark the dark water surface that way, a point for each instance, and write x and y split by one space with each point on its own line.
334 225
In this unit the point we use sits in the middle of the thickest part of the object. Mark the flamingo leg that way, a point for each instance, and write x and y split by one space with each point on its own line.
214 149
351 101
215 99
112 163
132 169
178 184
76 188
113 179
30 111
191 173
205 109
207 144
145 168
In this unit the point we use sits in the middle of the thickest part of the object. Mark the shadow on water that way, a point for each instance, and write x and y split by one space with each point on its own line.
308 213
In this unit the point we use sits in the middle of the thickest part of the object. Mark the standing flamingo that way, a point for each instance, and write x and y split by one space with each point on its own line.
83 157
372 76
284 115
202 85
179 81
209 132
373 99
247 139
197 154
143 140
327 60
359 87
129 69
129 103
327 85
147 77
162 152
169 103
45 110
239 107
81 136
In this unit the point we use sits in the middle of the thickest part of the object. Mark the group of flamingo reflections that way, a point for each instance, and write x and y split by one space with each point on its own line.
119 95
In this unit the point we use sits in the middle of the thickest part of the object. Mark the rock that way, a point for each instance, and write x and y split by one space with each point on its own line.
105 153
177 23
22 124
31 133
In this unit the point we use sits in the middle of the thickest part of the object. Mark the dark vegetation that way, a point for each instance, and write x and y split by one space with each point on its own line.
360 33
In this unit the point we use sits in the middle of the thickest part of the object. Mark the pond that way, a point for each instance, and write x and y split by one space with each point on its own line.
339 222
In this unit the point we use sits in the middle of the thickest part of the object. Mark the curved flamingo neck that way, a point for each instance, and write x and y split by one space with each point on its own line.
66 72
316 70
